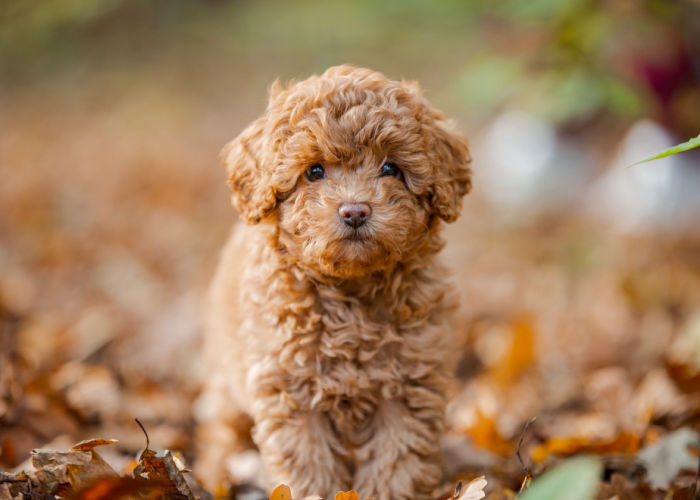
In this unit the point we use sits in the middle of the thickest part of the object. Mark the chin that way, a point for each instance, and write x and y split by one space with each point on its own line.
355 257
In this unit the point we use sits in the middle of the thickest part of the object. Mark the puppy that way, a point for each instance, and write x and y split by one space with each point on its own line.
328 318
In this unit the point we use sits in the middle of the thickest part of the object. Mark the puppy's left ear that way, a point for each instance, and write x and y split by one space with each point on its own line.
246 162
451 160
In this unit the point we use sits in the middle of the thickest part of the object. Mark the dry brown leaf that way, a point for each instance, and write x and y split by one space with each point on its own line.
484 434
17 486
113 488
568 446
685 376
89 444
622 489
59 473
520 354
72 470
163 470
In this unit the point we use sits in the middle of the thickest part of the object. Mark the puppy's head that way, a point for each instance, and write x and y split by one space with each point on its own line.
355 169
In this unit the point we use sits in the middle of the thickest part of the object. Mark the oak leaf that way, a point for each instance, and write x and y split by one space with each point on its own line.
670 455
59 471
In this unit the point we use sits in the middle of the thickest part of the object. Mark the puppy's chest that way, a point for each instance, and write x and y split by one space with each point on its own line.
353 353
358 356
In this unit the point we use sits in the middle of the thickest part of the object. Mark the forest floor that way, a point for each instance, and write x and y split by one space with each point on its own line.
109 234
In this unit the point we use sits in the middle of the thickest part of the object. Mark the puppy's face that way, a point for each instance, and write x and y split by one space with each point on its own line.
355 169
353 217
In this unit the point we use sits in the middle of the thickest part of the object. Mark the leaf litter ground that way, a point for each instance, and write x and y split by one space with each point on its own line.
101 290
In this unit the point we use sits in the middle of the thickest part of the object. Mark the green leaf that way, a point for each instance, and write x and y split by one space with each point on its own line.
576 479
686 146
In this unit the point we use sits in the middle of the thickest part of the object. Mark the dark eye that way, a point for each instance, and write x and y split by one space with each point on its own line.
315 173
389 169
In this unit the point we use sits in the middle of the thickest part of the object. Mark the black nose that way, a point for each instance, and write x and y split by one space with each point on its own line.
355 214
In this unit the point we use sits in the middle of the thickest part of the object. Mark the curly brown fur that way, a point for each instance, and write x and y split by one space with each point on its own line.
334 339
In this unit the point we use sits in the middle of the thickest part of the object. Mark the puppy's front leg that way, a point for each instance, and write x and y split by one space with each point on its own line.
402 459
301 449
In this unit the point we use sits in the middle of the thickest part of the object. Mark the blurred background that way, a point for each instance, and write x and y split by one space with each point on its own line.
579 274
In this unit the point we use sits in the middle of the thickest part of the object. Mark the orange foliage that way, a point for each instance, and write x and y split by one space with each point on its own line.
520 354
282 492
346 495
624 443
484 434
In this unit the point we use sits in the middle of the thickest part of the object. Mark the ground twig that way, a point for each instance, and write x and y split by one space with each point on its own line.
528 475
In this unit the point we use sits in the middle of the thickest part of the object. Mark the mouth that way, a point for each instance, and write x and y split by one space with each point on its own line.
352 255
355 236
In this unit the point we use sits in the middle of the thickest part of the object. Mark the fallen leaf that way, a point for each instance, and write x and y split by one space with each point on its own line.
346 495
282 492
576 479
473 490
163 469
72 470
17 486
112 488
485 434
669 456
567 446
621 488
520 354
89 444
685 376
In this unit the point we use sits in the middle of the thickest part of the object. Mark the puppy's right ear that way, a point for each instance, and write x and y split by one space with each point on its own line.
246 160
